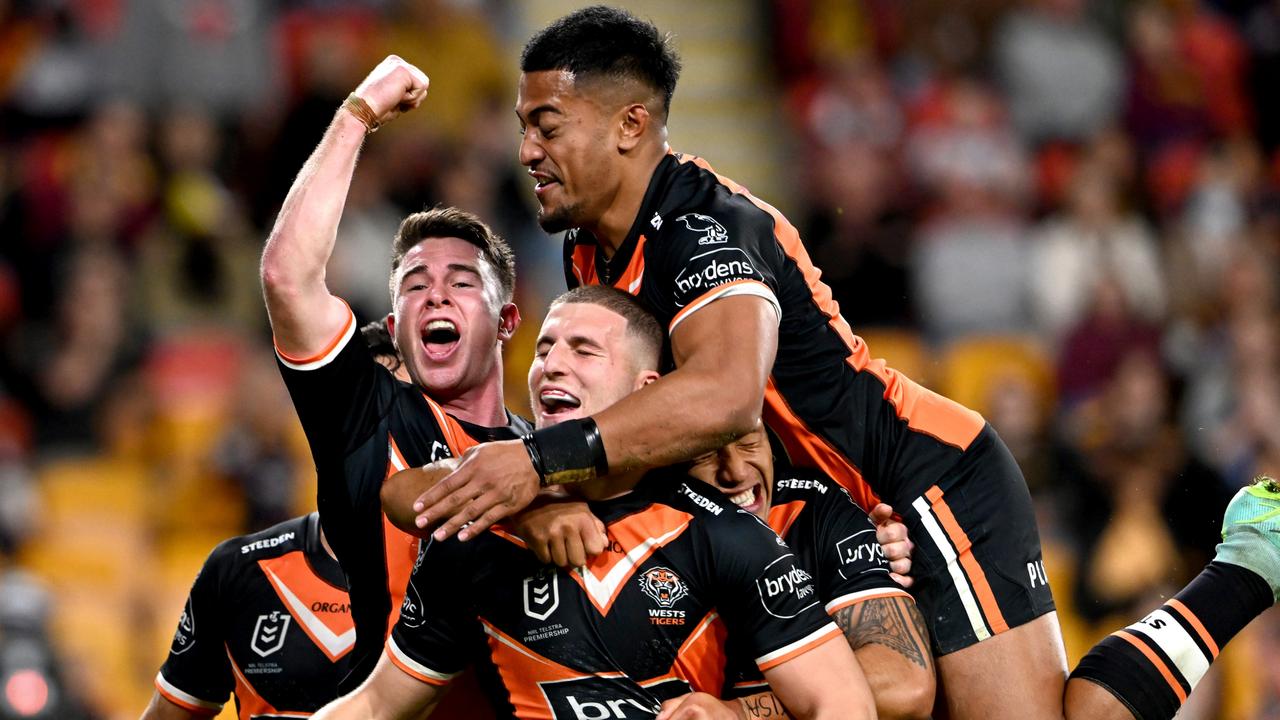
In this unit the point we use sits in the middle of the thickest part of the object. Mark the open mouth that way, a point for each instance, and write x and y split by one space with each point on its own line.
440 337
557 402
748 499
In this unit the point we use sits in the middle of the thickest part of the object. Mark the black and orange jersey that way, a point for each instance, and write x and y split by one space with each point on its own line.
643 622
267 619
363 425
834 541
699 237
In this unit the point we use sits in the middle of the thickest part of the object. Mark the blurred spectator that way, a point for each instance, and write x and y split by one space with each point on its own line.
1063 76
1146 513
1092 241
1093 350
255 452
69 366
969 257
216 54
200 258
859 234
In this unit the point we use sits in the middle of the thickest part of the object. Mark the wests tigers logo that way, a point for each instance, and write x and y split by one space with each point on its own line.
663 586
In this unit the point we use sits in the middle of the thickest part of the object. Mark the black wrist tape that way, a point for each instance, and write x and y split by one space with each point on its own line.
568 452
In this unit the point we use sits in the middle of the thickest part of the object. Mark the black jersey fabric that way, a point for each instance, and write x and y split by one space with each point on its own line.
835 541
363 425
700 237
268 619
643 622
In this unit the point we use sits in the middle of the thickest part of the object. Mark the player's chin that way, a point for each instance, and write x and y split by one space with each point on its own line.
554 219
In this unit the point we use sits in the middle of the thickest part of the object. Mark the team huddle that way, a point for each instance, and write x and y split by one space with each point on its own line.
708 516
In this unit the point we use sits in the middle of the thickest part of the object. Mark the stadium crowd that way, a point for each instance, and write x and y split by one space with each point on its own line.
1063 214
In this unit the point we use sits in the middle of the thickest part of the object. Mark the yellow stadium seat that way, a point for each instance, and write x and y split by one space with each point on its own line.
100 486
971 369
902 350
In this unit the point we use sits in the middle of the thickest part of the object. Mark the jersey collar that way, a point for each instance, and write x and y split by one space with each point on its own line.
610 270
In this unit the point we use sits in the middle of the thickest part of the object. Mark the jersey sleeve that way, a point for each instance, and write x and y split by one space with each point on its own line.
197 674
339 394
849 561
706 257
429 639
766 599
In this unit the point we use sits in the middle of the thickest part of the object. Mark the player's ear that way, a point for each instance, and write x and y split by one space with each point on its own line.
508 321
632 126
645 377
391 329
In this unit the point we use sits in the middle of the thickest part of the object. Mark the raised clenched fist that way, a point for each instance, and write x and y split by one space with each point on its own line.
395 86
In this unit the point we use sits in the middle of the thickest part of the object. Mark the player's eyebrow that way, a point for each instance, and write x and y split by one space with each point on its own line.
452 267
574 341
533 115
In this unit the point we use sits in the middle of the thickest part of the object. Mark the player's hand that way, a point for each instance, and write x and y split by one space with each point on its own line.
393 87
892 536
701 706
562 532
492 481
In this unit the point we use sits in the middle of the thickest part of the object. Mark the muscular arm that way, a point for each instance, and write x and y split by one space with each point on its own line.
825 682
388 694
304 316
724 353
889 638
161 708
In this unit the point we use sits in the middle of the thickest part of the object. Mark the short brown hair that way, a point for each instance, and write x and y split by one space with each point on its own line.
455 223
642 326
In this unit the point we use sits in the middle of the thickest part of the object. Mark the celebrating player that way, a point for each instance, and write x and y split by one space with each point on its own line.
451 287
750 322
642 623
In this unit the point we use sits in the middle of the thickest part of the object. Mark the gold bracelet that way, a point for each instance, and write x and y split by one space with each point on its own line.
358 107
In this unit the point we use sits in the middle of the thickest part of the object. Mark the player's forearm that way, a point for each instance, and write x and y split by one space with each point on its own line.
301 242
688 412
763 705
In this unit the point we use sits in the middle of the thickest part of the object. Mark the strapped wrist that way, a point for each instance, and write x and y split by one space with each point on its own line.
357 106
568 452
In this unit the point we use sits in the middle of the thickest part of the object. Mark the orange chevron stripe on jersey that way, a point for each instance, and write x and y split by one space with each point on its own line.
584 267
701 659
781 516
923 411
637 536
303 594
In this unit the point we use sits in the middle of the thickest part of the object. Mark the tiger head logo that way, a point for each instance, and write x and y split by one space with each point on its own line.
662 586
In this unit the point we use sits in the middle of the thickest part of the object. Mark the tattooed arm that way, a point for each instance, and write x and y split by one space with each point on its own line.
889 638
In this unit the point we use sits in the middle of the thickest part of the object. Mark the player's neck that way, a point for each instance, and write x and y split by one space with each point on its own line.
616 222
481 404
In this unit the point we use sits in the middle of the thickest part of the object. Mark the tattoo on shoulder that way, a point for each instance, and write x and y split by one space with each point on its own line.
894 622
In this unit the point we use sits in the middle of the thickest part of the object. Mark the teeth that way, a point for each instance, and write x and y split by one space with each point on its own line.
441 325
558 397
743 498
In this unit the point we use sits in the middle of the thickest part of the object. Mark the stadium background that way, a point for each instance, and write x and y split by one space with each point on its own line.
1063 213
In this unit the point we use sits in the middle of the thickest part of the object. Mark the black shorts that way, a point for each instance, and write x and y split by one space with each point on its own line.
977 562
